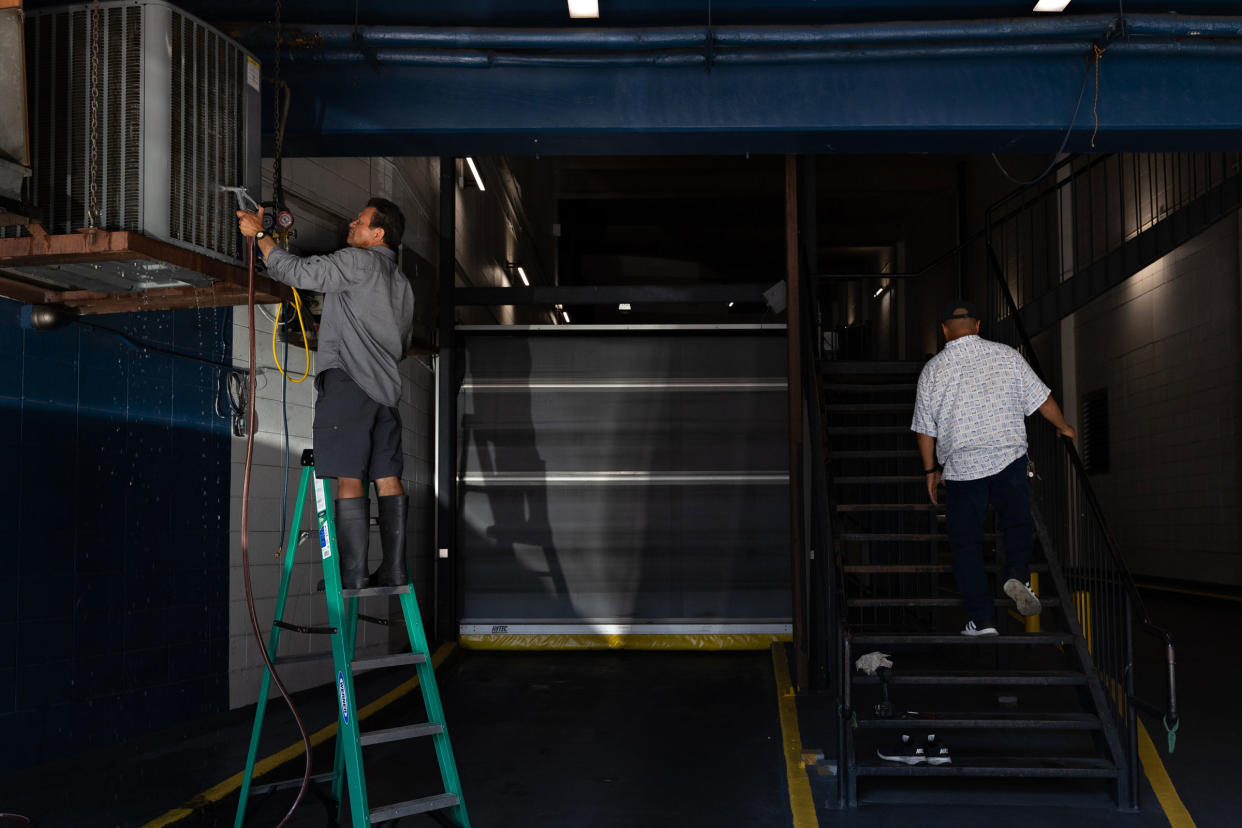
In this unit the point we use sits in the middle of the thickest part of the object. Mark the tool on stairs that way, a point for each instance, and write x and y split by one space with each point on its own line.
343 616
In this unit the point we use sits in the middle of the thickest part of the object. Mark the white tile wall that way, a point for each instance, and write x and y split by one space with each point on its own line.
1166 344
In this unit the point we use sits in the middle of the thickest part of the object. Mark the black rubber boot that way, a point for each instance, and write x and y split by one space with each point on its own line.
392 514
353 532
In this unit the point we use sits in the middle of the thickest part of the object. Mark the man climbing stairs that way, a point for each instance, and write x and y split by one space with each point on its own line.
1027 703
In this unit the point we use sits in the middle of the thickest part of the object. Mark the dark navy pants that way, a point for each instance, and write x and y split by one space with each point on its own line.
966 505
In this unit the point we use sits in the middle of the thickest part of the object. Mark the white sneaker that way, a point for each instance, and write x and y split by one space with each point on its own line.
975 632
1027 601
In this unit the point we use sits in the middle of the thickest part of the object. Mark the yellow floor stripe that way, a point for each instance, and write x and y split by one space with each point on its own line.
270 763
1153 768
800 800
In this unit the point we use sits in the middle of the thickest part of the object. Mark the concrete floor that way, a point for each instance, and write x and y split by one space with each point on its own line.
630 739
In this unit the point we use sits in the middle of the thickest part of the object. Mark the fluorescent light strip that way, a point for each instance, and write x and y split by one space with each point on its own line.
584 8
522 273
478 179
1051 5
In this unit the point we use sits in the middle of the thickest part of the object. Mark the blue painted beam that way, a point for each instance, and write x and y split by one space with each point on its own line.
1169 95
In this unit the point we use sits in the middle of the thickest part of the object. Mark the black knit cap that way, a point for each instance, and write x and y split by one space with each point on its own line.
957 309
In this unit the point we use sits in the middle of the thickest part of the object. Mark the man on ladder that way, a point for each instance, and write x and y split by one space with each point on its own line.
368 320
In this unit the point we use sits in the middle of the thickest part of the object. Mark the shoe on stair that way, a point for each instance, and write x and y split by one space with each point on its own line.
936 752
908 753
1027 601
975 631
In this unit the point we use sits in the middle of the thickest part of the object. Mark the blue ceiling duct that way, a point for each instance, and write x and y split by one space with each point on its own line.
1165 82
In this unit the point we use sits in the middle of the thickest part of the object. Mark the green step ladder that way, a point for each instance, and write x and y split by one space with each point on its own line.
342 624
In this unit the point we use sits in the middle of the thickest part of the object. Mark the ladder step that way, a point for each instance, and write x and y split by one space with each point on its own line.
875 537
880 639
398 659
373 591
312 658
856 454
934 602
988 721
397 734
1035 678
414 806
1029 767
916 569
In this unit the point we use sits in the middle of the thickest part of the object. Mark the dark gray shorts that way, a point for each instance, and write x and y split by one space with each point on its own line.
354 435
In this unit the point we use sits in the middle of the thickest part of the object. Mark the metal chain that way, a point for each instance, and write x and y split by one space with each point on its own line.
92 209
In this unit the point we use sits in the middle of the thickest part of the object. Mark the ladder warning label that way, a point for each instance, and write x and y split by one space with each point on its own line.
252 72
340 684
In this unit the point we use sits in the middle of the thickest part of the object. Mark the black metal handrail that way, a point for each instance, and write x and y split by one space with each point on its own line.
1105 596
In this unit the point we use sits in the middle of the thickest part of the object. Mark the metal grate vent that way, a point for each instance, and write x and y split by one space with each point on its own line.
207 139
162 155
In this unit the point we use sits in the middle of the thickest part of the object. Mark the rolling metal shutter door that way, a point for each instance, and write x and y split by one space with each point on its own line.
636 478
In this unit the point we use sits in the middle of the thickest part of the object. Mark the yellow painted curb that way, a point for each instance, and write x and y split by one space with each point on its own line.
1153 768
801 803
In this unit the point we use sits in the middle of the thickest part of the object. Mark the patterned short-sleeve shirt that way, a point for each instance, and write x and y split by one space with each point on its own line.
974 397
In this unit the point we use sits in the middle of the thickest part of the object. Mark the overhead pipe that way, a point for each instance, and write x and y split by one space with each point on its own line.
483 60
697 37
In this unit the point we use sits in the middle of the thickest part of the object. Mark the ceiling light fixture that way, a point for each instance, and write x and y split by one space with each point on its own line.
584 8
1051 5
730 304
624 307
522 273
478 179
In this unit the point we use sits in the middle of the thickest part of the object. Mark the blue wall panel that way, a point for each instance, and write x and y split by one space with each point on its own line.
114 595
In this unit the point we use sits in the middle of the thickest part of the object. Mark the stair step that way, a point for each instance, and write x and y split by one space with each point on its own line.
414 806
881 407
878 479
397 734
871 640
1038 678
396 660
934 602
923 569
987 721
861 430
831 367
912 537
890 507
909 387
863 454
1072 768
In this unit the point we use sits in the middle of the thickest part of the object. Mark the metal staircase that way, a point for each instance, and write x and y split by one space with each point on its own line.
1051 698
1027 703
